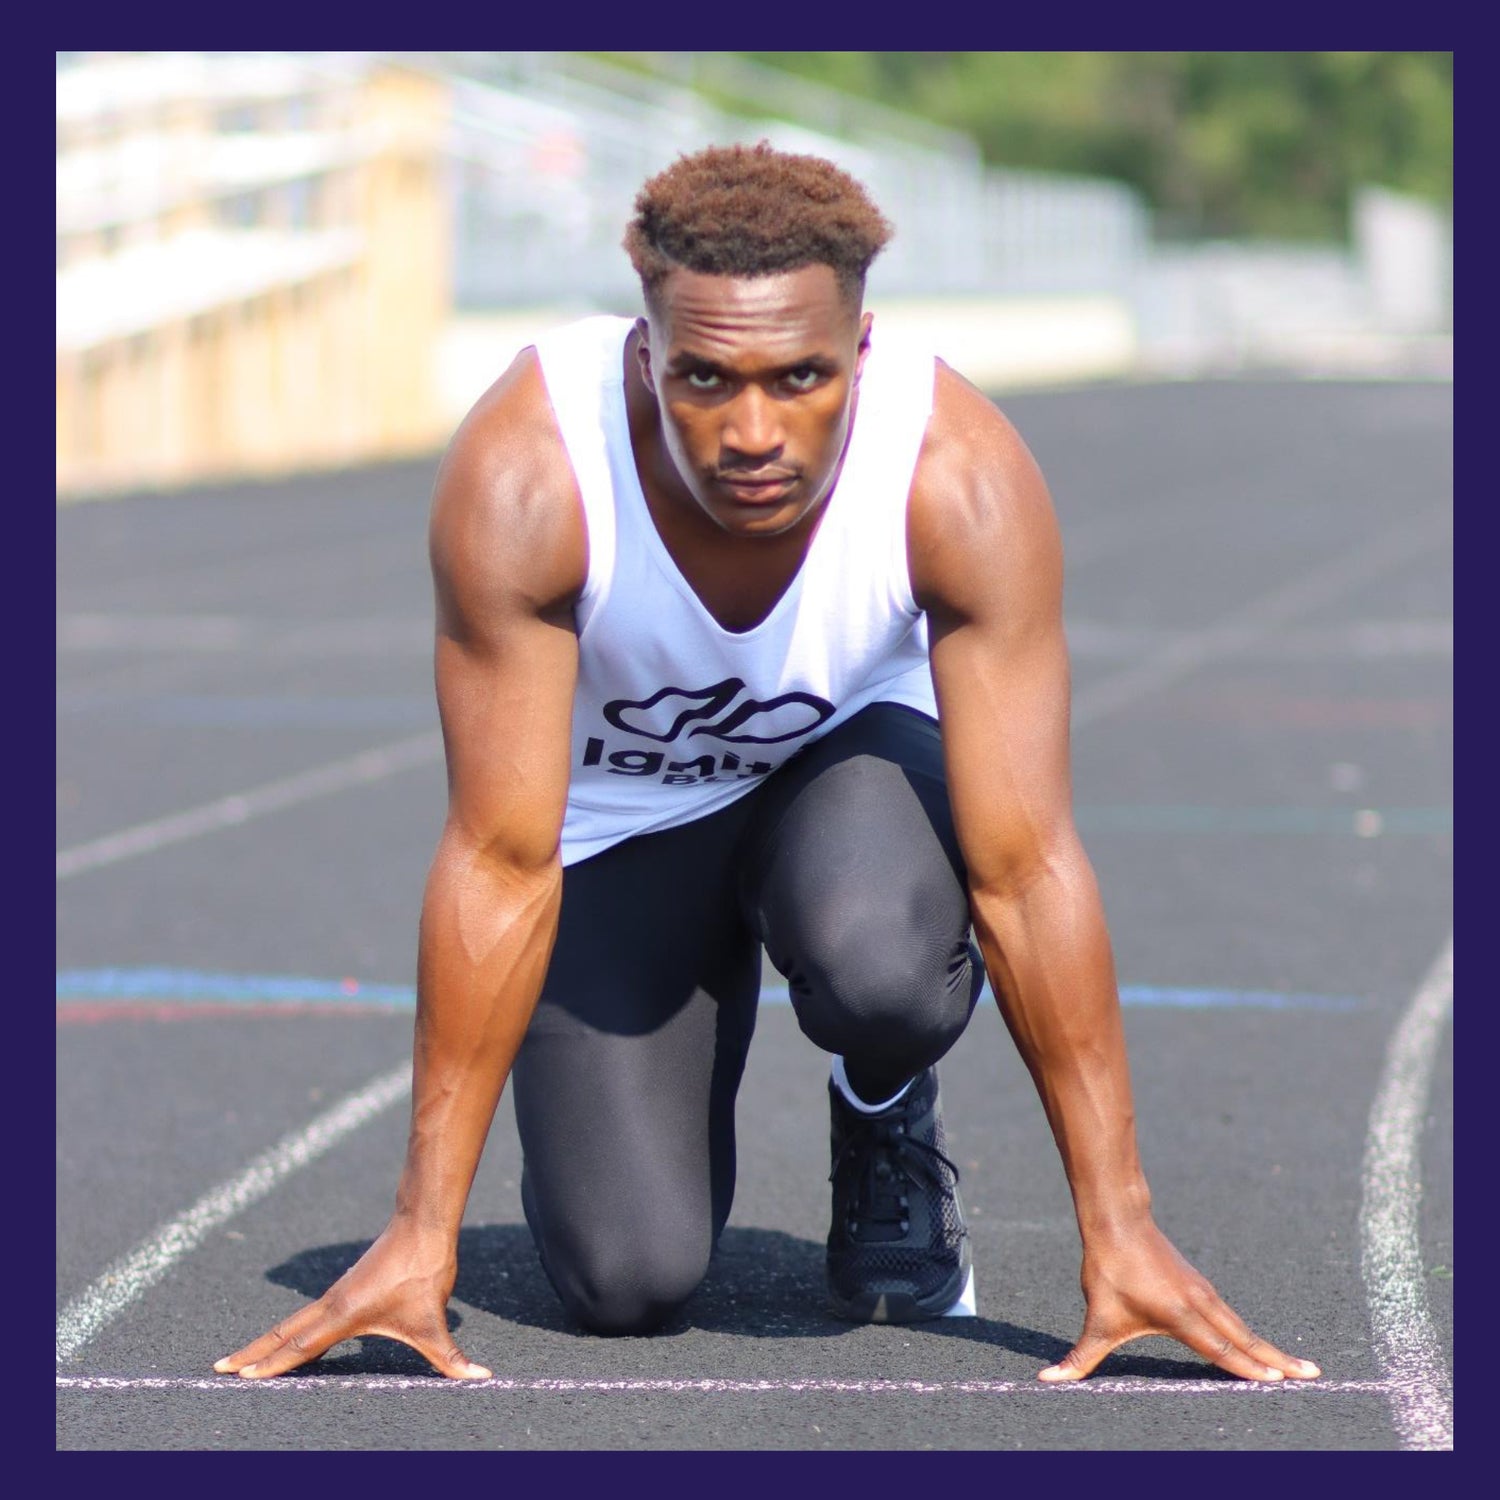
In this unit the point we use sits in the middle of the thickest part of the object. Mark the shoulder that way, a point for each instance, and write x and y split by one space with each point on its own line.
507 520
980 511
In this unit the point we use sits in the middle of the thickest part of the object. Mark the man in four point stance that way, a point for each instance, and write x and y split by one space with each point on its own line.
749 637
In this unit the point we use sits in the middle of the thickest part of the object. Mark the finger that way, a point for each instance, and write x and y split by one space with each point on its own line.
1254 1360
303 1336
256 1349
433 1341
232 1364
269 1342
446 1357
1289 1366
1228 1322
1082 1358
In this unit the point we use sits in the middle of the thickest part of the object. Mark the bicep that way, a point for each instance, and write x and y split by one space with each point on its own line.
508 554
505 701
989 571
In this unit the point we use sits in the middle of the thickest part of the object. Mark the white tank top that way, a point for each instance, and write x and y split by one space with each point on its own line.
674 716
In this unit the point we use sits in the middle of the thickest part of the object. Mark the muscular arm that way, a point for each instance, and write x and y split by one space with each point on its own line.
507 560
986 565
508 555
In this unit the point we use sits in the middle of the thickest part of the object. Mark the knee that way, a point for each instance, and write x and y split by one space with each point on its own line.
900 992
618 1287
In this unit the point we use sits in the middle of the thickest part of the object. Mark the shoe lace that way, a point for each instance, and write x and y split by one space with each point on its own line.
887 1160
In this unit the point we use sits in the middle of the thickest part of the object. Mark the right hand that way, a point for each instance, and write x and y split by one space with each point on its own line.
398 1289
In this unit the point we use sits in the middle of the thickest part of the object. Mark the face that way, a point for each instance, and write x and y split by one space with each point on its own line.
755 380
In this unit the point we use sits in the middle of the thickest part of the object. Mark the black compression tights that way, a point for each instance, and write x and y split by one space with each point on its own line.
845 867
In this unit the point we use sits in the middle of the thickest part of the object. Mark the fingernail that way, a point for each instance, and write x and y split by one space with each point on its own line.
1273 1373
248 1369
222 1365
478 1372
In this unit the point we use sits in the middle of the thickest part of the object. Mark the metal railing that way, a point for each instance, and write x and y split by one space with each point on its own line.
548 150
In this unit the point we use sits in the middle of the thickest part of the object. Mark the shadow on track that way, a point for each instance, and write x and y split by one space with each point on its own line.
762 1283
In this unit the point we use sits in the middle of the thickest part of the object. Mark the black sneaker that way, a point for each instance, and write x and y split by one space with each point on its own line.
898 1247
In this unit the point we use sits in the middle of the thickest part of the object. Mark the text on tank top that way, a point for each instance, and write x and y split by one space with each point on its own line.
674 716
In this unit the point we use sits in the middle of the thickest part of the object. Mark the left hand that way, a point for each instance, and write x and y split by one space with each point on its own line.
1140 1285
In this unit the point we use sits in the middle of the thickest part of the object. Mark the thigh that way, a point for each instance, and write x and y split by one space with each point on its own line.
624 1084
854 880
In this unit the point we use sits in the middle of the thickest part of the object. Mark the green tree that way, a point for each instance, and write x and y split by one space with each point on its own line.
1219 143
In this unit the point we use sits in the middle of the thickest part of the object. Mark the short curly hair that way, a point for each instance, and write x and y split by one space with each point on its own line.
754 211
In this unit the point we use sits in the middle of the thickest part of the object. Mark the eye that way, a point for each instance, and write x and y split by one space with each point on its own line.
803 378
702 380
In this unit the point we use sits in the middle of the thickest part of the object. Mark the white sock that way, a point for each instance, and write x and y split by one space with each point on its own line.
841 1082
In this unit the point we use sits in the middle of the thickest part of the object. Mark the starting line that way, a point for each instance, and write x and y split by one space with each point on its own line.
711 1387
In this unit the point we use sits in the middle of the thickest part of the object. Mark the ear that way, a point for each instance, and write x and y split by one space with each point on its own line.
866 322
643 352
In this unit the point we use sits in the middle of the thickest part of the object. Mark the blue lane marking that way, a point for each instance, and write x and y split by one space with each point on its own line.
188 985
1148 996
227 989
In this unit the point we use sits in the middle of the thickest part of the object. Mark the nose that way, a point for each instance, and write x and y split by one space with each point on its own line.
752 427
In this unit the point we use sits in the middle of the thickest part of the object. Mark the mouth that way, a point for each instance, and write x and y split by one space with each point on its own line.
757 489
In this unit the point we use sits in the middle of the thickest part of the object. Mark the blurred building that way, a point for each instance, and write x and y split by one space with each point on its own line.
274 261
252 264
270 261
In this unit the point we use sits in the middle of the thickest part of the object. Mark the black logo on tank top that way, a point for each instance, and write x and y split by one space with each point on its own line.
721 712
663 716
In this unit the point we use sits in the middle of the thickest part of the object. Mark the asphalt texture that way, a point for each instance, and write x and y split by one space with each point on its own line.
1259 605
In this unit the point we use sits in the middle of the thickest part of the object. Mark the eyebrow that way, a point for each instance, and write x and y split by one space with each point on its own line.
679 363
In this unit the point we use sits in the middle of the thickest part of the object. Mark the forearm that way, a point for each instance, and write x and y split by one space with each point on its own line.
486 938
1047 950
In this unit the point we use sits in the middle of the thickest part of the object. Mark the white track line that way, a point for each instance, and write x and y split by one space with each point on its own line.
229 812
144 1266
1391 1254
814 1384
1322 586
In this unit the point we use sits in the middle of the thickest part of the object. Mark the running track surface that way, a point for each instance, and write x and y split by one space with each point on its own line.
249 785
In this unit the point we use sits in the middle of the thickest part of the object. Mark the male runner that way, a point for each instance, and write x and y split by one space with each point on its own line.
749 635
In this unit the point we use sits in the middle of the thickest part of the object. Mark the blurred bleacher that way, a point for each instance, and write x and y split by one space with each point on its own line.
252 264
